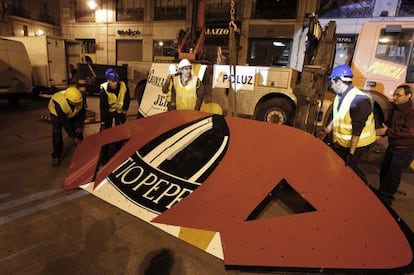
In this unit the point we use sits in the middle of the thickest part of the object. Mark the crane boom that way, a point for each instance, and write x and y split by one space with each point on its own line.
192 43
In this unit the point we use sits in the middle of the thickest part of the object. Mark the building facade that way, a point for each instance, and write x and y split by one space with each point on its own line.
29 18
141 30
128 31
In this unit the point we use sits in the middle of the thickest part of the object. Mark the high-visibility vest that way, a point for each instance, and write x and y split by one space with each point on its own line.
342 122
115 102
186 96
60 99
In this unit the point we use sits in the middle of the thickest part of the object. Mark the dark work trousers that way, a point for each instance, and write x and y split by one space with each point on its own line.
114 116
359 152
57 138
395 161
109 150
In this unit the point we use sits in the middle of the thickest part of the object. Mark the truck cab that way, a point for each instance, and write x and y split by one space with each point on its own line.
382 60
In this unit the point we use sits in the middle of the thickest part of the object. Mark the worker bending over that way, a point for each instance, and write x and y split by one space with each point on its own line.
114 100
66 111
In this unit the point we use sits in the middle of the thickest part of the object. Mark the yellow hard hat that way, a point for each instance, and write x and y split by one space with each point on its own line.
213 108
74 95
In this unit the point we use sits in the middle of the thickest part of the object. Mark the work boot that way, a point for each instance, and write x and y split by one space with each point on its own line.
56 161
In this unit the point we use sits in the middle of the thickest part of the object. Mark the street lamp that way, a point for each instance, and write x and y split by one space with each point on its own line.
92 5
101 16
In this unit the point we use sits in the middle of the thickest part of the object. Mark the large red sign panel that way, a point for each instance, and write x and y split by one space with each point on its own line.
192 173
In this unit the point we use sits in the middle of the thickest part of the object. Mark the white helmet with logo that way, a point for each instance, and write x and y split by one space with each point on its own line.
184 63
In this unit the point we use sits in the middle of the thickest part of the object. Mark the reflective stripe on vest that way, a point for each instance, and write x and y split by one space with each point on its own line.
60 99
186 96
115 102
342 123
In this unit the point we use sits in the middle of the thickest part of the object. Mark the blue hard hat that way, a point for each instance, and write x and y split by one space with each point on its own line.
341 71
111 74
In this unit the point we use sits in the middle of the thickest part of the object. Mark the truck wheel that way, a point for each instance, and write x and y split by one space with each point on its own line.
139 91
275 110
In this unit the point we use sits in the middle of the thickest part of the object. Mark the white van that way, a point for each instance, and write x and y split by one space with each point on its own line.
51 58
15 70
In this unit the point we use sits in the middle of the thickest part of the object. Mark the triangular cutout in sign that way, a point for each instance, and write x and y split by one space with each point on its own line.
346 230
282 201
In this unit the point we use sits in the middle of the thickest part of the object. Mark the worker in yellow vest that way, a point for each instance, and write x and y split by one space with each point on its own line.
353 124
114 100
187 91
66 111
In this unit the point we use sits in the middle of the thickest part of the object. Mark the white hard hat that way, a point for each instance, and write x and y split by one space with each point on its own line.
172 69
184 63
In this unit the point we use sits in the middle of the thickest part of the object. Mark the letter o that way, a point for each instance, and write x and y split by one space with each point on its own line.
125 173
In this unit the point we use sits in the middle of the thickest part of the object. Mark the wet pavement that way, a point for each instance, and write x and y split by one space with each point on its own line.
46 230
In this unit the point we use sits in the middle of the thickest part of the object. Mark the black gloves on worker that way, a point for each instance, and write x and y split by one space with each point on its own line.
171 106
321 135
350 160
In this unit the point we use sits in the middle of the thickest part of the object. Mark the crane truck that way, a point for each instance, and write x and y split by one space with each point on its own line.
273 94
383 59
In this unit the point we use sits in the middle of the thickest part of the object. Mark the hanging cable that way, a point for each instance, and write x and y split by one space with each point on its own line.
232 57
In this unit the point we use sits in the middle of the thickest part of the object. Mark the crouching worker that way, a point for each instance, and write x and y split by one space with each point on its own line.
66 111
114 100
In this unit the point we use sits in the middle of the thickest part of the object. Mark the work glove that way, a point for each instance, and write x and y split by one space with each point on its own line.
76 141
79 133
321 135
171 106
122 117
349 160
102 127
